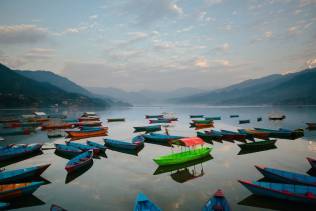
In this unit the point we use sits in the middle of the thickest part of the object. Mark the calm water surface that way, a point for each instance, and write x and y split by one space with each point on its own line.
113 181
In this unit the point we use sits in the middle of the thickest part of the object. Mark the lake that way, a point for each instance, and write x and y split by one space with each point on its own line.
114 180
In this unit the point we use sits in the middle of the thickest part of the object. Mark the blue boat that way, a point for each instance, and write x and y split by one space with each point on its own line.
213 118
217 202
67 150
210 135
3 205
286 176
89 129
290 192
137 142
84 147
153 116
142 203
19 174
79 161
147 129
161 138
9 191
97 145
283 133
154 121
22 150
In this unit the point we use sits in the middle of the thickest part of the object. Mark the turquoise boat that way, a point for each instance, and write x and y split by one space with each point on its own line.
283 133
287 176
67 150
142 203
20 174
148 129
213 118
155 121
13 152
160 138
9 191
84 147
137 142
79 161
154 116
217 203
101 147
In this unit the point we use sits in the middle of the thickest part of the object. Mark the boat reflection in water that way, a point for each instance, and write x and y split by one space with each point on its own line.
185 172
274 204
20 158
127 151
24 202
72 176
248 151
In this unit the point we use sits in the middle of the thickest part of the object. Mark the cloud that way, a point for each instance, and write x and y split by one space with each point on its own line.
93 17
223 48
304 3
213 2
268 34
201 63
40 54
21 34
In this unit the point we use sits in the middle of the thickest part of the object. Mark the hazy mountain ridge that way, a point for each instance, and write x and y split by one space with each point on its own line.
17 90
292 88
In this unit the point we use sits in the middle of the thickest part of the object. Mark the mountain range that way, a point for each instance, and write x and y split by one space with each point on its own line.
290 89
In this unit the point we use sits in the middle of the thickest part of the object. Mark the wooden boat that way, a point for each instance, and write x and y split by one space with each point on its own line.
213 118
84 147
153 116
79 161
186 156
257 144
161 138
148 129
101 147
201 125
137 142
283 133
19 174
4 205
312 162
231 135
311 125
234 116
277 117
142 203
14 131
155 121
286 176
67 150
90 129
89 123
87 134
57 126
116 120
217 202
196 116
38 119
9 191
255 133
13 152
290 192
245 121
210 135
55 207
89 118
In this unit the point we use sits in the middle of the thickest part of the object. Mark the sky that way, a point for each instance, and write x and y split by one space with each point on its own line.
159 44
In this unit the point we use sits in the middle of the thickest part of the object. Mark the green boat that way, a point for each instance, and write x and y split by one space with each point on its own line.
202 121
116 120
183 157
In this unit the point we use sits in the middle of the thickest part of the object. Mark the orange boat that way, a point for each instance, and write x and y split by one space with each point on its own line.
258 134
89 118
57 126
87 134
199 126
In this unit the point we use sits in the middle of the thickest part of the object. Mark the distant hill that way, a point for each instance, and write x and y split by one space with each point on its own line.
17 90
293 88
143 97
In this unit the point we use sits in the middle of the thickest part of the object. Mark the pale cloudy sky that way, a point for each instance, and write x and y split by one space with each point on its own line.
158 44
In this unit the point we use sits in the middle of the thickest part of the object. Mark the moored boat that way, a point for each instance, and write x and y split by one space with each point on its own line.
101 147
311 125
148 129
201 125
213 118
217 203
290 192
244 121
234 116
87 134
186 156
15 131
153 116
116 120
160 138
142 203
84 147
202 121
4 205
57 126
67 150
89 124
277 117
79 161
312 162
9 191
210 135
197 116
155 121
13 152
287 176
89 118
283 133
257 144
231 135
255 133
19 174
137 142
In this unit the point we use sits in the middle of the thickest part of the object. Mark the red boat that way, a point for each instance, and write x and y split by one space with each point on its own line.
87 134
89 118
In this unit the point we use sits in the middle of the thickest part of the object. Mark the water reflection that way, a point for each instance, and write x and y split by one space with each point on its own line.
20 158
127 151
248 151
72 176
274 204
24 202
